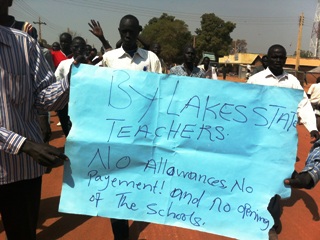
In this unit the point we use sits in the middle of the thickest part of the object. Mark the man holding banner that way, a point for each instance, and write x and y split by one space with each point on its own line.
129 56
27 85
274 75
160 151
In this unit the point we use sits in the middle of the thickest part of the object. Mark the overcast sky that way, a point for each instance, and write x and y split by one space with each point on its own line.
261 23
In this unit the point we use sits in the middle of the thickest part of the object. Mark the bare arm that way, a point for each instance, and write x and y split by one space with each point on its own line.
98 32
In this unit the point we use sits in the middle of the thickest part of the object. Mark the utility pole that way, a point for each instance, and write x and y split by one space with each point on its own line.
40 23
315 35
301 20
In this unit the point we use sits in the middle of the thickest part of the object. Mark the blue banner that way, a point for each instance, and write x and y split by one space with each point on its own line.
189 152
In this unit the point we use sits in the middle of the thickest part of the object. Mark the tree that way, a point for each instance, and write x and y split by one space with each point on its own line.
238 46
304 54
214 35
172 34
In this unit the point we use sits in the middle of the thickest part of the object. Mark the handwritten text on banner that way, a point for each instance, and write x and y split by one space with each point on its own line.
196 153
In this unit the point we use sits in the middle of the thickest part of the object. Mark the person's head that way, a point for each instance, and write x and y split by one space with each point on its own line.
55 46
189 54
43 43
156 48
78 46
65 42
4 7
5 19
264 61
93 53
206 61
88 49
277 56
129 30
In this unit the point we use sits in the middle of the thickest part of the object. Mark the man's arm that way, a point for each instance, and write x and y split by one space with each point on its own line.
44 154
98 32
310 174
305 111
309 93
145 45
50 94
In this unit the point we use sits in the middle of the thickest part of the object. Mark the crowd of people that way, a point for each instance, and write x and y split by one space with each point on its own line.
42 83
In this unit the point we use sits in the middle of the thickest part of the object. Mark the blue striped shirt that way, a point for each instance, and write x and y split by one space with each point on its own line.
313 162
27 84
182 71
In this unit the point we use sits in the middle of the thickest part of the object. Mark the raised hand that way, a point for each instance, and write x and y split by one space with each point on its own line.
98 32
96 29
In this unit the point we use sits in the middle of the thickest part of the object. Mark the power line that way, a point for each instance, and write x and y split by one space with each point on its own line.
110 6
40 23
193 19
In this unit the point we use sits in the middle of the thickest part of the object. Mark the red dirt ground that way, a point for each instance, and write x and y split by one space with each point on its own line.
300 218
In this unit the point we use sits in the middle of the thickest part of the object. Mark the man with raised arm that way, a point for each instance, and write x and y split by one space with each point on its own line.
128 56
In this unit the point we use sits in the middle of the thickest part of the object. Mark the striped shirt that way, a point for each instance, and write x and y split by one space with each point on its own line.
313 162
180 70
27 84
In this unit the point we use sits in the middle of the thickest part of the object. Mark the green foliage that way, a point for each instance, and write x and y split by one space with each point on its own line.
238 46
214 35
172 34
304 54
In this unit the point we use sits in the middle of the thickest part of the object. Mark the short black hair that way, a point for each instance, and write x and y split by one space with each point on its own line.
276 46
67 35
132 18
188 46
78 38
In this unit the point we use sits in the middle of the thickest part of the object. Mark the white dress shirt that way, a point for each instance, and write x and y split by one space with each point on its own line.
142 60
314 91
286 80
63 69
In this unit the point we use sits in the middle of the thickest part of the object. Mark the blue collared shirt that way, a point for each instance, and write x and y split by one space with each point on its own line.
27 84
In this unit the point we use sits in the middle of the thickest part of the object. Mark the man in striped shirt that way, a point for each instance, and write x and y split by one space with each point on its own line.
27 84
10 21
310 174
187 68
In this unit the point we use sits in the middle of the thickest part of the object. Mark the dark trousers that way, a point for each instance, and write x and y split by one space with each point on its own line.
120 229
64 120
275 210
19 208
